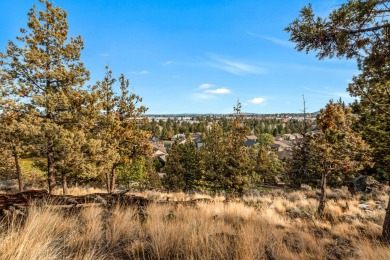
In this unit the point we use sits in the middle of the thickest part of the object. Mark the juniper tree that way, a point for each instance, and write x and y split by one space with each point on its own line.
337 148
358 30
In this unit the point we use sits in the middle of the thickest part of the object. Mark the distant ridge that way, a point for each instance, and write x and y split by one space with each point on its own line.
229 114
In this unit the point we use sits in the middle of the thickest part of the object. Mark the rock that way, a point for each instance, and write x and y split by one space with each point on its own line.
363 206
365 183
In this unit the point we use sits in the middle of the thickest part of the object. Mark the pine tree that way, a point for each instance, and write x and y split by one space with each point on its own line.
44 69
300 168
174 172
213 159
236 172
119 135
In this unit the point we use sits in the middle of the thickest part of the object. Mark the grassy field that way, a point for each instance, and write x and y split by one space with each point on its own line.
275 225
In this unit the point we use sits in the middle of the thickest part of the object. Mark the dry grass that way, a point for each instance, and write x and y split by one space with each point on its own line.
273 226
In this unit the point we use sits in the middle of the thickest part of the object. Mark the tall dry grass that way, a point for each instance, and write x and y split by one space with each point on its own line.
272 226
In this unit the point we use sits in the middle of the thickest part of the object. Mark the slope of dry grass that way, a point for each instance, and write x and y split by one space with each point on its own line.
276 225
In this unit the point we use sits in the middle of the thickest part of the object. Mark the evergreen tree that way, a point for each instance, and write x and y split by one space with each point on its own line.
183 168
357 29
214 154
120 137
337 148
44 69
174 172
236 172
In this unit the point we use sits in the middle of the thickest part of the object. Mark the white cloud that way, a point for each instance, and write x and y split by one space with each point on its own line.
166 63
218 91
142 72
273 39
206 85
258 100
235 67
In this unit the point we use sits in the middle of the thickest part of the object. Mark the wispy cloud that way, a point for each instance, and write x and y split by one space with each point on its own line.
257 100
218 91
234 67
206 85
273 39
104 54
142 72
166 63
331 93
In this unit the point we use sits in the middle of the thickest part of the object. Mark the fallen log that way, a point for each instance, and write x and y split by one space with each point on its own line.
26 198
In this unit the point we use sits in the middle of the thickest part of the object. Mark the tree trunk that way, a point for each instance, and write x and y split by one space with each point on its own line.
18 170
112 182
108 185
321 206
64 184
51 178
386 223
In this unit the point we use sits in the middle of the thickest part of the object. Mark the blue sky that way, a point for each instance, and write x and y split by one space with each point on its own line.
188 56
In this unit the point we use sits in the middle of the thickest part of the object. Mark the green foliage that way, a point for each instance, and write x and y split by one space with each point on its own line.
265 139
355 29
265 167
134 174
183 168
361 30
174 173
214 158
300 167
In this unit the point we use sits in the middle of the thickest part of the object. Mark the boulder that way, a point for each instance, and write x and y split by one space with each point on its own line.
365 183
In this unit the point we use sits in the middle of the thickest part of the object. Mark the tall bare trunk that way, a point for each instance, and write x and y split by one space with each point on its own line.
112 182
108 184
321 206
64 184
386 223
51 178
18 170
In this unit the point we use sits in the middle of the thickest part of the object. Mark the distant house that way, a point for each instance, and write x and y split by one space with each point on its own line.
160 152
279 138
298 136
251 140
182 141
280 146
199 145
289 137
282 155
196 137
155 139
178 137
167 145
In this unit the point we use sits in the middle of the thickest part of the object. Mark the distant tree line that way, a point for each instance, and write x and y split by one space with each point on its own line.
256 126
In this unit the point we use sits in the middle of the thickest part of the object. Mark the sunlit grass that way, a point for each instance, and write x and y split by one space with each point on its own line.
263 227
